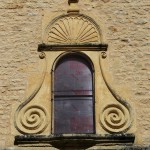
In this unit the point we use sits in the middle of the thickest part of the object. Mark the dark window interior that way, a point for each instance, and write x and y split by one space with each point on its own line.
73 96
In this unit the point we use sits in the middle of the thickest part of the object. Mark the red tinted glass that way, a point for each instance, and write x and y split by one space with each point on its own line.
73 96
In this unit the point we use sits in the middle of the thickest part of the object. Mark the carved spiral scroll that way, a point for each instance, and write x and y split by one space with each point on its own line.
33 119
114 118
72 29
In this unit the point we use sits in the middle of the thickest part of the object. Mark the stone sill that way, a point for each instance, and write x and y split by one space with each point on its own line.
77 140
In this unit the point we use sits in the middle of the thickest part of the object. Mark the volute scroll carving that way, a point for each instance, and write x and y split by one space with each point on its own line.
114 118
32 118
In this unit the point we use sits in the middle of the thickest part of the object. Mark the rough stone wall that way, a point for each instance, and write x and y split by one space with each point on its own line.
127 24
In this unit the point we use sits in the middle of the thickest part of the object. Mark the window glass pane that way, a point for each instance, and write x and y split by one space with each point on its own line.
69 73
73 115
73 96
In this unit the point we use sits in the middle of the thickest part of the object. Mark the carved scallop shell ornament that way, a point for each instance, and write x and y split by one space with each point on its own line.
72 29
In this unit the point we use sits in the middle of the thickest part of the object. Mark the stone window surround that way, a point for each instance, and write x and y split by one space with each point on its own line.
55 40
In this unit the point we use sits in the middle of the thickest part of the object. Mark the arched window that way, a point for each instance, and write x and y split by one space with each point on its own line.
73 95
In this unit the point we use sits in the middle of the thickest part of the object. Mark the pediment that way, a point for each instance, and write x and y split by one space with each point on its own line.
71 29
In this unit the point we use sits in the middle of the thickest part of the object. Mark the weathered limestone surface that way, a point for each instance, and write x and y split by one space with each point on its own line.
102 148
125 26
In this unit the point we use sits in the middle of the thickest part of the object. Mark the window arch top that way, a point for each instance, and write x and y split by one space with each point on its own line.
74 73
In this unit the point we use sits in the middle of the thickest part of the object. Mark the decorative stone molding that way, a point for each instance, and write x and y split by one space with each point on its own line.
76 140
114 118
77 47
72 28
32 119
